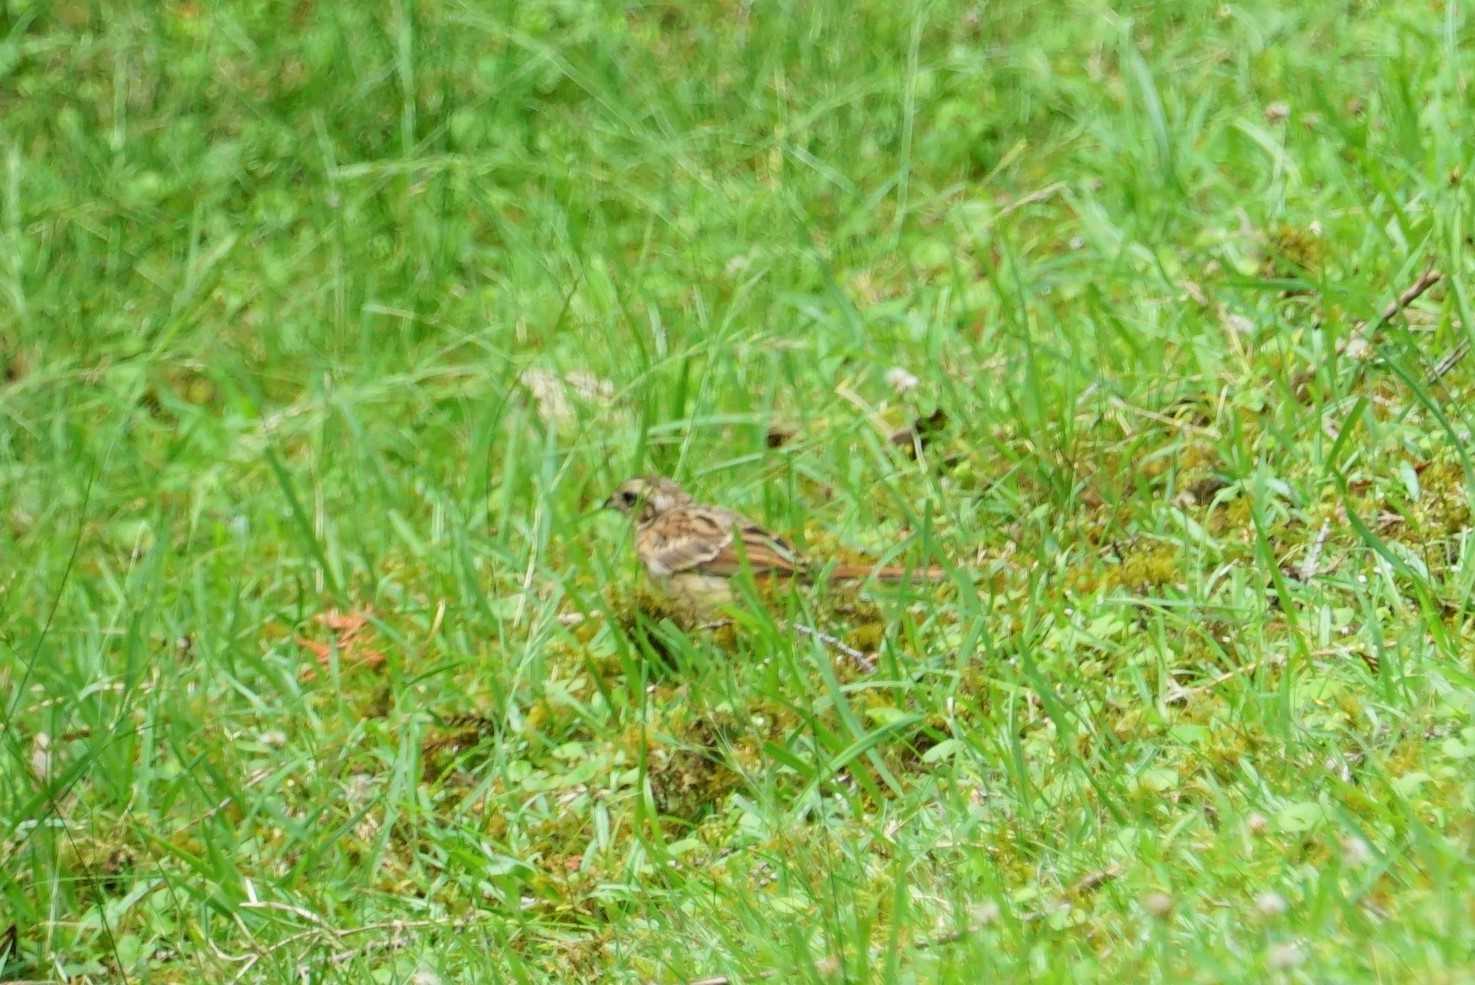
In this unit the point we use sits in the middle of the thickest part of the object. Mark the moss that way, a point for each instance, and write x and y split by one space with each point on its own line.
1236 515
1443 509
690 777
1292 251
867 637
445 745
1085 578
1147 569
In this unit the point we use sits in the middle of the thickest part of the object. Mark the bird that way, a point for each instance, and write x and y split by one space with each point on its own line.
692 550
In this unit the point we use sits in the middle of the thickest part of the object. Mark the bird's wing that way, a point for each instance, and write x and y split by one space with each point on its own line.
766 553
713 541
681 540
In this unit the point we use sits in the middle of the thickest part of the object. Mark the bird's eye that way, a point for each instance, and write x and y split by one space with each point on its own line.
627 497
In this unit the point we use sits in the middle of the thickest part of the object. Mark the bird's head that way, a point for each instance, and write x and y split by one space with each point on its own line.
646 496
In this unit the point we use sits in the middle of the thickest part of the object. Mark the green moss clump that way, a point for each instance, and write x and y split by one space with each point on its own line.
1292 251
1147 569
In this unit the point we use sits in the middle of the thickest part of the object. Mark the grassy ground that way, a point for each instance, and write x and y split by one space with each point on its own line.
324 327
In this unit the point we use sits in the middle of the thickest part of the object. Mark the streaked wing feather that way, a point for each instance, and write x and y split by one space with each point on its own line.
765 553
681 540
700 540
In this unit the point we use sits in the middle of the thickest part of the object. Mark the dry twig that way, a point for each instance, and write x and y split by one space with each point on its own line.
1313 556
1357 343
865 661
1449 362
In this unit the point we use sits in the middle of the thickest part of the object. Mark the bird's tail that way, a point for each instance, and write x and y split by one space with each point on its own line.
885 572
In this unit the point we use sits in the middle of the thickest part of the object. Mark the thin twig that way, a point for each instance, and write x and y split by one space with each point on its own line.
1427 280
327 933
1313 556
1092 881
865 661
1178 693
1356 343
1449 362
941 940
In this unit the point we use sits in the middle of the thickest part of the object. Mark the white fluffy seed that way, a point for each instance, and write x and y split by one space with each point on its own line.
901 380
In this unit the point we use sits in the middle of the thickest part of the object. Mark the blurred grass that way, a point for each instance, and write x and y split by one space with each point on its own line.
315 663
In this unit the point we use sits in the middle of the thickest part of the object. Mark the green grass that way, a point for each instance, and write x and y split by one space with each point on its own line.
278 283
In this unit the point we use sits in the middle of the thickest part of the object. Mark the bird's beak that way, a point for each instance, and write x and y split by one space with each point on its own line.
608 504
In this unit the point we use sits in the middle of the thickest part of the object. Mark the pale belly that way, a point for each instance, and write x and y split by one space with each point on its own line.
701 592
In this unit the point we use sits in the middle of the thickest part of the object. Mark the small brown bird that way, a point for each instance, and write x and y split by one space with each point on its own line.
692 550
